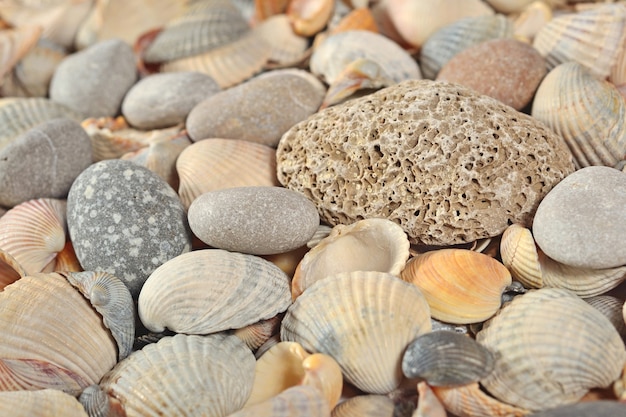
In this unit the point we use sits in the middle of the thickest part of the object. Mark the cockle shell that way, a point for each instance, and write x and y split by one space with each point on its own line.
211 290
364 320
309 17
366 245
256 334
551 348
10 269
471 401
298 401
40 403
461 286
612 308
14 44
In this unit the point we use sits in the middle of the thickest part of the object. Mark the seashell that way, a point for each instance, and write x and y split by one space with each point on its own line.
538 367
66 260
455 37
309 17
531 20
15 44
585 409
586 112
360 18
34 232
470 400
364 320
211 290
298 401
366 245
286 365
164 378
288 261
40 403
516 6
619 386
612 308
215 164
256 334
287 47
461 286
264 9
594 38
10 269
52 337
428 405
322 232
370 406
446 358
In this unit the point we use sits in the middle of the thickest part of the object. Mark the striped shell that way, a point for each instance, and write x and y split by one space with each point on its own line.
471 400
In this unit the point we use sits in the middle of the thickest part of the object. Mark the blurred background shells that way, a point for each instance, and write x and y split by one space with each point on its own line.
15 44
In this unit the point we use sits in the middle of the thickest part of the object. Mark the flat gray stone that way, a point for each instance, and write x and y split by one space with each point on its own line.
254 220
93 82
163 100
582 221
43 162
125 220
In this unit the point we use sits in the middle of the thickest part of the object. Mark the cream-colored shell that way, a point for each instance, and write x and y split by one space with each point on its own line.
516 6
10 269
210 290
365 405
364 320
471 400
530 21
297 401
287 47
40 403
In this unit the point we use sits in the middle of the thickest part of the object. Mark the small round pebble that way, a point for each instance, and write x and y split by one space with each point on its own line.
259 110
254 220
93 82
582 221
505 69
163 100
125 220
43 162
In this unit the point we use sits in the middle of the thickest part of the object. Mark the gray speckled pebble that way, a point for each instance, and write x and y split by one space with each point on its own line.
125 220
43 162
259 110
163 100
582 221
94 81
255 220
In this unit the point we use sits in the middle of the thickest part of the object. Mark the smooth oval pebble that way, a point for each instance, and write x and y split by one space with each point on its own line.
163 100
255 220
125 220
505 69
259 110
93 82
43 162
582 221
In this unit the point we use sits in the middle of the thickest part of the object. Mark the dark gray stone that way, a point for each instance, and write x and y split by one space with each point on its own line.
43 162
582 221
94 81
163 100
255 220
125 220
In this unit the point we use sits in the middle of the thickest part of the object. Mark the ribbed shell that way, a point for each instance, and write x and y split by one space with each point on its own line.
48 326
298 401
366 406
364 320
612 308
551 348
211 290
10 269
184 376
41 403
471 400
215 164
451 39
604 408
255 334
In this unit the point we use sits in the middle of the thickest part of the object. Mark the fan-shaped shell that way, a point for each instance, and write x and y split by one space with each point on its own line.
551 348
215 164
364 320
211 290
471 400
40 403
461 286
10 269
298 401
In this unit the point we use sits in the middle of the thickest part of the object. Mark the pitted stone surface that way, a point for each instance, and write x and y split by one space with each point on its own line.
255 220
125 220
582 221
447 164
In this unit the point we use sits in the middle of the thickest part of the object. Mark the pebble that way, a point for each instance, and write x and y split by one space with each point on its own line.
43 162
505 69
93 82
259 110
164 100
582 221
254 220
125 220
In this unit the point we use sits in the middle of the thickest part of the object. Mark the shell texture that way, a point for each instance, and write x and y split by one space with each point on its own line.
471 400
612 308
364 320
211 290
40 403
256 334
586 409
298 401
367 406
10 269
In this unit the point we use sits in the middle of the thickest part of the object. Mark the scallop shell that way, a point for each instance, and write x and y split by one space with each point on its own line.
309 17
41 403
52 337
15 44
461 286
298 401
215 164
183 375
551 348
256 334
364 320
211 290
471 401
612 308
10 269
287 47
366 245
451 39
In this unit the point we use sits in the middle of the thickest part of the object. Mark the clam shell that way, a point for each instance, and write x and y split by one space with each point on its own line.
211 290
41 403
461 286
215 164
14 44
551 348
287 47
10 269
519 255
612 308
184 375
298 401
470 400
52 337
366 245
364 320
309 17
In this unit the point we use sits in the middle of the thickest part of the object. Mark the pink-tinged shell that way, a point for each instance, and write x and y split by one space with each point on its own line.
10 269
470 401
309 17
14 44
40 403
256 334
